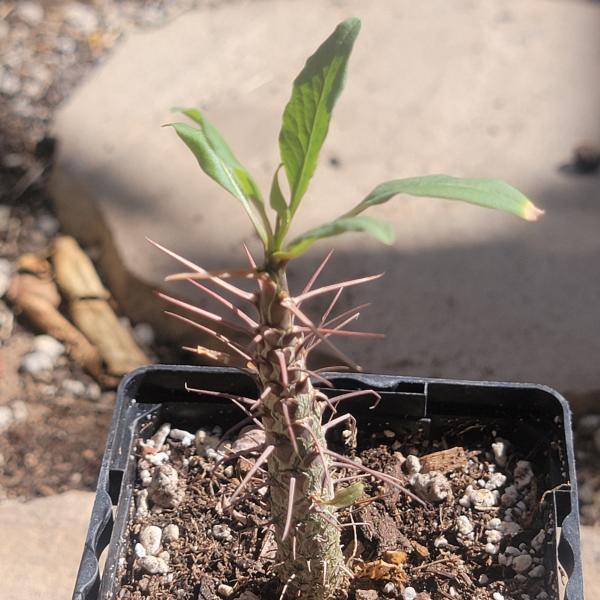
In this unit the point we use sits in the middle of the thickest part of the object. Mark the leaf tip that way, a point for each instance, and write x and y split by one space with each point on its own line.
532 213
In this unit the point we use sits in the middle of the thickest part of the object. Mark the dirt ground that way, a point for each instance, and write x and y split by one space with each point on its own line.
52 432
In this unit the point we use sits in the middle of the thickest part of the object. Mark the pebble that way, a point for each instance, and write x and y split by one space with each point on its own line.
522 563
463 525
185 437
497 596
10 84
409 593
171 533
221 532
5 273
150 538
159 458
74 387
164 488
36 363
388 433
224 590
499 450
93 391
483 579
412 464
523 474
510 496
537 572
389 589
141 504
206 442
139 550
431 486
538 541
30 12
160 437
48 345
82 17
144 334
6 417
440 542
153 565
483 498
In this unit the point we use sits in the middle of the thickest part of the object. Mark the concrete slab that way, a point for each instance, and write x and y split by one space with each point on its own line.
502 89
590 544
42 541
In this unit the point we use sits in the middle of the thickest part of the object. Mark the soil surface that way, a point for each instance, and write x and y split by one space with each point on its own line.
478 532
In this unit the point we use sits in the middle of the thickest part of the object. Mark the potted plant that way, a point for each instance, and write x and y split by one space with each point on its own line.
297 459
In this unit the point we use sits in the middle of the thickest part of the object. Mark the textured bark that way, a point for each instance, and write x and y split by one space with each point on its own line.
310 558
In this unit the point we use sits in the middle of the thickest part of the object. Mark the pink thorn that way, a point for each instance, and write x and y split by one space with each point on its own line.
317 272
335 286
288 423
331 306
259 461
290 508
234 309
282 368
216 335
251 260
231 288
338 420
205 313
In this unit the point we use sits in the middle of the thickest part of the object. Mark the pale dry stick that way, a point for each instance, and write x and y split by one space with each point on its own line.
290 508
259 462
229 305
343 461
225 395
335 286
238 454
200 271
287 583
355 394
206 314
218 336
317 272
325 398
249 256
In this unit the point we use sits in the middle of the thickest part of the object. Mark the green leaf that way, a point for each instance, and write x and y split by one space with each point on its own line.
278 203
307 114
490 193
379 229
218 161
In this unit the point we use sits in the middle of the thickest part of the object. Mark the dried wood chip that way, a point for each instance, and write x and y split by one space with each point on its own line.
444 461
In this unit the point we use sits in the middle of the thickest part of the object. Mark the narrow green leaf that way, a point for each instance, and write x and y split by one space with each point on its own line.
490 193
379 229
218 161
278 203
307 114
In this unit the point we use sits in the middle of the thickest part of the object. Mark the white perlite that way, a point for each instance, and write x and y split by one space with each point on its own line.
224 590
180 435
431 486
499 450
150 538
409 593
464 526
171 533
153 565
497 596
412 464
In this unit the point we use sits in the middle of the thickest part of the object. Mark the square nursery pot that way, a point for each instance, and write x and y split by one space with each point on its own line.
534 418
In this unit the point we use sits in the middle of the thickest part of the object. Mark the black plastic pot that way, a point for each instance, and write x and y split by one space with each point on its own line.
537 416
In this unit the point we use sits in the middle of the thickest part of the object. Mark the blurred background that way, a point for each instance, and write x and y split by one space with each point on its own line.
495 88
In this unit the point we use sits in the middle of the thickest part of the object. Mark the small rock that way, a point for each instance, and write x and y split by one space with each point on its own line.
440 542
388 433
153 565
160 437
143 334
483 579
499 450
537 572
6 417
494 523
463 525
206 442
538 541
497 596
36 363
366 595
5 272
248 596
493 536
409 593
389 589
171 533
30 12
141 504
159 458
93 391
224 590
412 464
432 486
221 532
10 84
139 550
522 563
185 437
482 499
164 489
523 474
81 17
74 387
510 496
150 537
48 345
164 555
